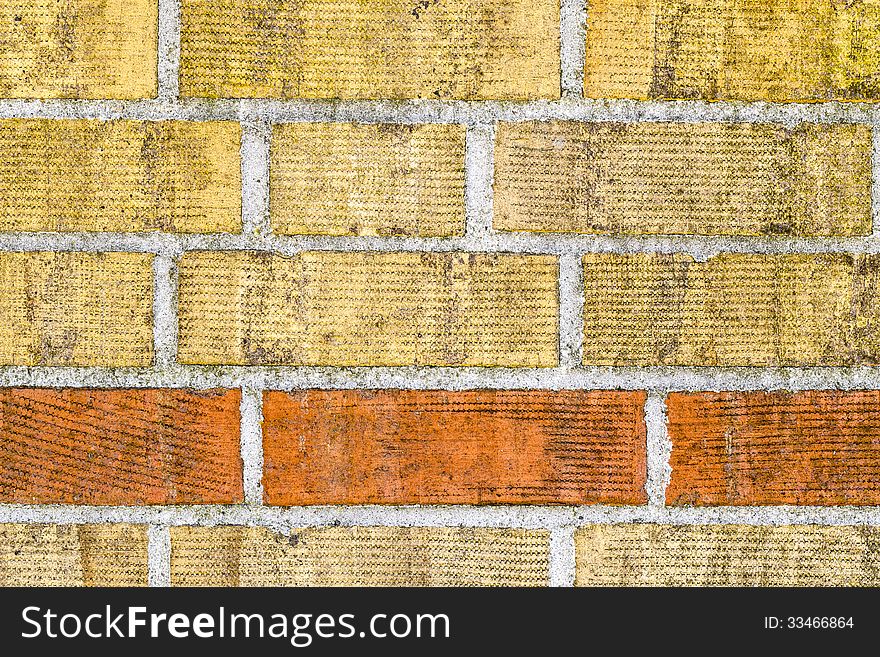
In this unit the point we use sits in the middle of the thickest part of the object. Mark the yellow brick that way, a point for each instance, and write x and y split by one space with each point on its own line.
361 308
346 179
773 50
79 49
76 309
733 310
463 49
675 178
359 556
73 555
726 555
83 175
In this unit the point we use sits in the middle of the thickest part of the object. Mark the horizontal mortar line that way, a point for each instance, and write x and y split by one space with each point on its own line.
653 379
514 516
439 111
700 247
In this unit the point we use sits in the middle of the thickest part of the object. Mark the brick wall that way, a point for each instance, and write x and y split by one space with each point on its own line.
505 292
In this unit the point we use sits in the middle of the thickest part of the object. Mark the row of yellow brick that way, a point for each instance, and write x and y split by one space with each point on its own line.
408 180
606 555
456 309
465 49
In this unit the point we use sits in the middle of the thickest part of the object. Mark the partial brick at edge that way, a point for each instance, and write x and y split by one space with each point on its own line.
72 446
819 447
439 447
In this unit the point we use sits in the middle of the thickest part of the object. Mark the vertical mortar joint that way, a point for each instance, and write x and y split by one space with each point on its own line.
158 556
479 178
169 49
252 444
572 46
659 448
256 135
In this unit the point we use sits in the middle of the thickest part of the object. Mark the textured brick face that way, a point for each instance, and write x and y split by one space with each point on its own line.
703 178
436 447
348 179
132 176
467 49
79 49
76 309
773 50
73 555
119 446
732 310
726 555
360 308
812 447
358 556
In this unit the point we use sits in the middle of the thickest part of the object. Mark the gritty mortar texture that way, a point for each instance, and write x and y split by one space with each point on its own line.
479 178
256 118
562 556
164 311
252 444
256 136
572 46
158 555
659 449
169 48
571 317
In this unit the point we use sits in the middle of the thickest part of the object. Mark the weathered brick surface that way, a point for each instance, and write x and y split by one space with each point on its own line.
466 49
683 178
437 447
812 447
76 309
774 50
726 555
382 179
79 175
359 556
119 446
362 308
73 555
732 310
79 49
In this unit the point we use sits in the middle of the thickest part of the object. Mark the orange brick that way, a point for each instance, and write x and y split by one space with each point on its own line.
813 448
119 446
438 447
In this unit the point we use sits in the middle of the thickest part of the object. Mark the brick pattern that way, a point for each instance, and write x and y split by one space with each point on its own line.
349 179
363 308
79 49
73 555
358 556
776 50
119 446
732 310
814 447
462 49
123 176
76 309
399 262
676 178
435 447
726 555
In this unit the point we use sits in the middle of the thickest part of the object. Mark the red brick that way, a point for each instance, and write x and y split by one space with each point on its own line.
438 447
75 446
808 448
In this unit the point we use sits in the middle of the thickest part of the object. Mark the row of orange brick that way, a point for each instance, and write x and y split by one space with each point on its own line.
615 555
364 308
435 447
408 180
462 49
